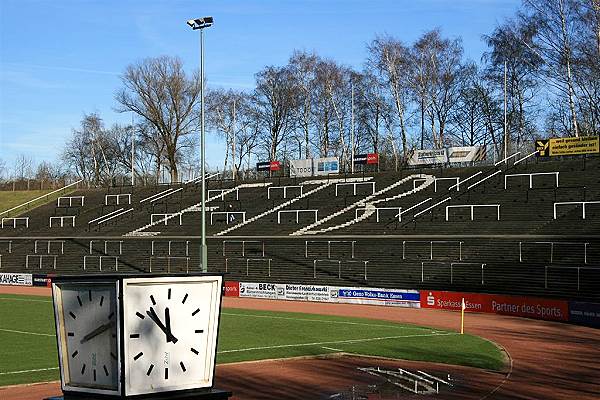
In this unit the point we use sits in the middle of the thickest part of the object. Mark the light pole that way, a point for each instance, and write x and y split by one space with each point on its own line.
132 152
200 24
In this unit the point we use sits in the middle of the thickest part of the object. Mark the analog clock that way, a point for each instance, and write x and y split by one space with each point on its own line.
87 322
170 332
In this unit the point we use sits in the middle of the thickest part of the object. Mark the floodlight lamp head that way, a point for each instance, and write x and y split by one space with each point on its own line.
200 23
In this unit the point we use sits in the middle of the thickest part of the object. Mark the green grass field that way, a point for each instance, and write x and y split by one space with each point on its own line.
10 199
29 344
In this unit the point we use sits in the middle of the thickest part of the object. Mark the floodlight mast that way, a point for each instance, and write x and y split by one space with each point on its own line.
200 24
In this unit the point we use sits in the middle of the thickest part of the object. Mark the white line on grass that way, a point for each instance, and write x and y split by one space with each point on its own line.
27 333
281 346
27 371
391 325
331 348
14 299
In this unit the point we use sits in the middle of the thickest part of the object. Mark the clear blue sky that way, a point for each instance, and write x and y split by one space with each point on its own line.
62 58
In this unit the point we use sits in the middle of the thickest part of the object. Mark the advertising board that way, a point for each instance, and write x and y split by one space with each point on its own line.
466 154
376 296
268 166
326 166
258 290
584 313
330 294
304 292
567 146
366 159
426 157
15 279
457 154
42 280
301 167
231 289
530 307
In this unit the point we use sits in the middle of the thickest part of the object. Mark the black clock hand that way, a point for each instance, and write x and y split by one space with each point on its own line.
152 314
168 323
97 331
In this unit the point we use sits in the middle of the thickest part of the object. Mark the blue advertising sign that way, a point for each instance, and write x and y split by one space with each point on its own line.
584 313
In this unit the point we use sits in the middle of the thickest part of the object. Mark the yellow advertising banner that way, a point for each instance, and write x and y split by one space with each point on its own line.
568 146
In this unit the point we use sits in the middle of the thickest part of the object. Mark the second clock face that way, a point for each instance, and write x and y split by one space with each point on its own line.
169 335
89 334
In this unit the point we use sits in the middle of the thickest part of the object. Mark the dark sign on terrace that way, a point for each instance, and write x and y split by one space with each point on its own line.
370 158
268 166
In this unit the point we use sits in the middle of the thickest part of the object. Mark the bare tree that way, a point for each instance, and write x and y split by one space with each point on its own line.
273 104
22 167
303 70
389 59
555 32
2 170
229 114
159 91
508 47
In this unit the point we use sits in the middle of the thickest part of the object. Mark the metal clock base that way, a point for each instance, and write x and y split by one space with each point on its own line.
201 394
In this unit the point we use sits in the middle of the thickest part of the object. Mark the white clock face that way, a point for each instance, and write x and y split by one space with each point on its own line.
88 335
170 333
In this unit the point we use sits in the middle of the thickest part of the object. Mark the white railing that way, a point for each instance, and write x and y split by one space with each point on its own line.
170 244
106 242
70 198
562 278
431 243
227 214
583 204
352 243
41 258
472 206
40 197
377 209
100 258
164 217
49 243
14 221
585 246
62 220
316 212
243 242
105 216
285 188
531 175
117 198
355 184
435 180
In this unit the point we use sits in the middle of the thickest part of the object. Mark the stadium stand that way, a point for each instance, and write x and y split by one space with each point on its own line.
515 228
